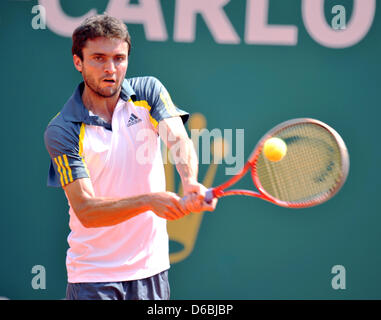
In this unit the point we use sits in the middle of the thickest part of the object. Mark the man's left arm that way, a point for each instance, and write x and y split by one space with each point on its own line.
174 135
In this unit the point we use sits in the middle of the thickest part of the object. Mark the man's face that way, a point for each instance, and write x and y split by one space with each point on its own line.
104 65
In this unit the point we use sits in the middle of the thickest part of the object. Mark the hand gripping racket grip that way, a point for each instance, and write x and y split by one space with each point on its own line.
209 196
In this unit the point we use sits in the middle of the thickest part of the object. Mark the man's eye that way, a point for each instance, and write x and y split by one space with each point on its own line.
98 58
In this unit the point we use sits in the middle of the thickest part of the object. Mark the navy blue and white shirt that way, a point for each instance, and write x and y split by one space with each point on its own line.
122 159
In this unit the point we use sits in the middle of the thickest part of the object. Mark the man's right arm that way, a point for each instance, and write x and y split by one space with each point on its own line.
68 170
96 212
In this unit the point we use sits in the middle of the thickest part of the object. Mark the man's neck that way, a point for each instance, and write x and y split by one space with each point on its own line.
100 106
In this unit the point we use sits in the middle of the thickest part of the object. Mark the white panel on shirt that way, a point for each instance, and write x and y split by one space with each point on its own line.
123 162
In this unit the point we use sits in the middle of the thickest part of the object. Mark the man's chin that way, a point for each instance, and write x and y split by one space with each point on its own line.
108 92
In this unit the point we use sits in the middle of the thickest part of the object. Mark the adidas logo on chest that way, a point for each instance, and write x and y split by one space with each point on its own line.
133 120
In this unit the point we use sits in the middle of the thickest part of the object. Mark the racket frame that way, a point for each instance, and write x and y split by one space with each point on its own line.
220 191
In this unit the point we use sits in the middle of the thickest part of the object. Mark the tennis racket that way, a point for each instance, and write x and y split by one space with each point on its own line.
312 171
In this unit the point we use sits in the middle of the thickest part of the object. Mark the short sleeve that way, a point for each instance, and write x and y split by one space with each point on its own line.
153 91
163 107
65 150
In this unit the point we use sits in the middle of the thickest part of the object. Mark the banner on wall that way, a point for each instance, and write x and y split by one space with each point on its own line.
337 33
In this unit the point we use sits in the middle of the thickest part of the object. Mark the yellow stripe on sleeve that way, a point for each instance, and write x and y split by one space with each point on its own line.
68 168
63 170
59 171
144 104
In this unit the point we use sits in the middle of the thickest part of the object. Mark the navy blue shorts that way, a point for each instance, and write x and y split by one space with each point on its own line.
152 288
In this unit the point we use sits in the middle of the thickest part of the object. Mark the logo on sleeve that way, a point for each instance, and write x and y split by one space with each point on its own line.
133 120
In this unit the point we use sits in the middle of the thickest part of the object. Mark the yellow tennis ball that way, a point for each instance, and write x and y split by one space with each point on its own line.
275 149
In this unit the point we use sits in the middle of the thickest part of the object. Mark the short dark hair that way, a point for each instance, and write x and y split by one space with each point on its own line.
97 26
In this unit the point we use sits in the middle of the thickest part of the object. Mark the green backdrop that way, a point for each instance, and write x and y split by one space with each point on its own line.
247 248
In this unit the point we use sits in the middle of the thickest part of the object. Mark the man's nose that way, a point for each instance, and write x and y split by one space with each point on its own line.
109 66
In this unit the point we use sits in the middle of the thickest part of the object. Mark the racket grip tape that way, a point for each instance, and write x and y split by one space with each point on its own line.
209 195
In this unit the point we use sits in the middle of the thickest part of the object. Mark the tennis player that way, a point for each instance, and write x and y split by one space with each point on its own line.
105 153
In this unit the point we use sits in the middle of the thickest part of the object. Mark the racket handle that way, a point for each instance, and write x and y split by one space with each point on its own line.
209 195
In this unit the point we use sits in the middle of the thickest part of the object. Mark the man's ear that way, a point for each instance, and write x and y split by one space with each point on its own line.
77 63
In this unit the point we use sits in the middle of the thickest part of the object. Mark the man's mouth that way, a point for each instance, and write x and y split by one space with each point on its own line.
109 80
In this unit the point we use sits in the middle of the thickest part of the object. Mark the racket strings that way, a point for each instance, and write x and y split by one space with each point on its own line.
310 170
